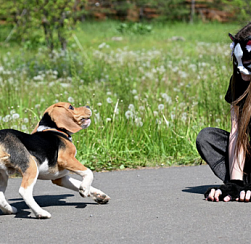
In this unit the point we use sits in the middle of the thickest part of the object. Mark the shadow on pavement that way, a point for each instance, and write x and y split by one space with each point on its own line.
44 201
198 189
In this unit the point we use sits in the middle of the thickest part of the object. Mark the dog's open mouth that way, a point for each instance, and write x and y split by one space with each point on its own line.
85 122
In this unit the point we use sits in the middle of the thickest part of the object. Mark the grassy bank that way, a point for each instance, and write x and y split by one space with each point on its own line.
150 93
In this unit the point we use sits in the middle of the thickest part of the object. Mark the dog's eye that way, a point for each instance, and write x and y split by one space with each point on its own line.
70 107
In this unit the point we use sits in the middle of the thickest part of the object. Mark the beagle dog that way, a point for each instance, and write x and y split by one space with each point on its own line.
48 154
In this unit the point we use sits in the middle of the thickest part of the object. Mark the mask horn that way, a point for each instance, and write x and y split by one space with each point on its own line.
231 37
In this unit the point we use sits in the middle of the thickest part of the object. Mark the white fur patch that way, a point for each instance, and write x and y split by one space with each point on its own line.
27 195
45 173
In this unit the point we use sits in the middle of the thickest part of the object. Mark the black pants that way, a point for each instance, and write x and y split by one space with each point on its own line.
212 145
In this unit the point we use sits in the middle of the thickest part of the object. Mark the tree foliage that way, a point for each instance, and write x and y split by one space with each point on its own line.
37 21
171 9
242 8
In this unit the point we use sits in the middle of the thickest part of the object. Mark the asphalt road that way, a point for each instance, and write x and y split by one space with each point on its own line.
163 205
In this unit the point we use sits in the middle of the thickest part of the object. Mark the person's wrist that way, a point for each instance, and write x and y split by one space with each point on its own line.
237 182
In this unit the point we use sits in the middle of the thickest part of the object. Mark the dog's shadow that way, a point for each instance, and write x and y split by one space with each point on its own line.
199 189
44 201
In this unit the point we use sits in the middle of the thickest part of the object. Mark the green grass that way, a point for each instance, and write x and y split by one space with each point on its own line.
150 96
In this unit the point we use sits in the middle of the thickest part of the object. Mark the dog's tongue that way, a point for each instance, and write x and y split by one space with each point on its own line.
87 122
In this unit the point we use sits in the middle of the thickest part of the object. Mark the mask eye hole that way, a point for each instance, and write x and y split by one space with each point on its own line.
71 107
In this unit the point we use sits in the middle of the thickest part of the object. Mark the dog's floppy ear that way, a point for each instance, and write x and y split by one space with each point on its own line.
35 129
64 119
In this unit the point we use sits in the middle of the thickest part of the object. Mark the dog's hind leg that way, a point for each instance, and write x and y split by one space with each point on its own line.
26 190
4 205
73 184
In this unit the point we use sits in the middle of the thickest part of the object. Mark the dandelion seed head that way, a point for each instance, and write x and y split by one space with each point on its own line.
109 100
6 118
131 107
134 91
70 99
217 121
184 116
173 115
138 122
129 114
161 107
24 128
15 116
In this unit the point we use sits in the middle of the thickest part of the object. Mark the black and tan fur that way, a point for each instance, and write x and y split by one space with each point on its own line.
48 153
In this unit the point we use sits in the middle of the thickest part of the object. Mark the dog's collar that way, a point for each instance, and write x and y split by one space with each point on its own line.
42 128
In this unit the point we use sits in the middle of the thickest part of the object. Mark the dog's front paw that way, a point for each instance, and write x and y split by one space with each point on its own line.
84 192
9 210
43 215
100 198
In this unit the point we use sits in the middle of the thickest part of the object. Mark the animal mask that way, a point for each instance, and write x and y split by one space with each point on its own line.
241 50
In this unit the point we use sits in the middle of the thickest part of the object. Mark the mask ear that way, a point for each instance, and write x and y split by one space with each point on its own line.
231 37
64 119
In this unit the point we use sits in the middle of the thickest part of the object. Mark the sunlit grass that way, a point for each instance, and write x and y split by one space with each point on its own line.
150 95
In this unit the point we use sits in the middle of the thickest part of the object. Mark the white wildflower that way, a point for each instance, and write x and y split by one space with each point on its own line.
102 45
24 128
70 100
65 85
173 115
138 122
129 114
109 100
15 116
184 116
217 121
131 107
6 118
161 107
12 111
182 104
134 91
